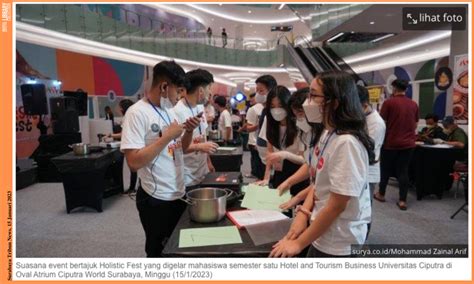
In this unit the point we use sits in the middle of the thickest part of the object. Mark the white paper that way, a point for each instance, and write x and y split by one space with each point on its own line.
251 217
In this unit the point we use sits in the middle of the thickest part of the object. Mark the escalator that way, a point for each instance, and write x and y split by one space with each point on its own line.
314 60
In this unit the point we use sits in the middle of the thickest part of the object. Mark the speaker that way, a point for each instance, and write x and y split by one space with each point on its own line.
64 115
34 99
81 103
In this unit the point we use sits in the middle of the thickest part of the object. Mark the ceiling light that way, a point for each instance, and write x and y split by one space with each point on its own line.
382 38
251 26
212 19
420 57
239 19
178 11
281 6
334 37
220 4
250 11
372 23
397 48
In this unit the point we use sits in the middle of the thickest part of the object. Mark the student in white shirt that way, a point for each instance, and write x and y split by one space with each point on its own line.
196 159
309 134
376 128
210 114
252 118
225 119
153 144
281 134
339 210
264 84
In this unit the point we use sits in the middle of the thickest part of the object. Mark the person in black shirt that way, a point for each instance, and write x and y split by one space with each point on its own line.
432 130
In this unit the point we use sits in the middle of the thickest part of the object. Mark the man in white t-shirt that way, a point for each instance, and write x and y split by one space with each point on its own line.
210 114
252 118
376 127
197 163
153 144
225 119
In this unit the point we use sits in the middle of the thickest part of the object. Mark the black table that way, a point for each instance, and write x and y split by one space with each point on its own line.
432 167
227 161
88 179
245 249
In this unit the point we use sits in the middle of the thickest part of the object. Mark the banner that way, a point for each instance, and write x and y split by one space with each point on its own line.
461 88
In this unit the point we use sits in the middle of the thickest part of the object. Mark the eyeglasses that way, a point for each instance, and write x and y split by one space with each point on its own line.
313 96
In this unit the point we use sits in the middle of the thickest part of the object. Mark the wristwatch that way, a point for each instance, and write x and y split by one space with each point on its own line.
303 210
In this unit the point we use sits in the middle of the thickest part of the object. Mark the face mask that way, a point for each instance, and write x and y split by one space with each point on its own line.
278 113
302 124
260 99
313 112
165 103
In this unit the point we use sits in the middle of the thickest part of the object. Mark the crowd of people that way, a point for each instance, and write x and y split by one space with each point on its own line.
324 144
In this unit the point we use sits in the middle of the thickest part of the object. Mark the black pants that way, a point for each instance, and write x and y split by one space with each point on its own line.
287 171
395 163
258 168
133 181
159 218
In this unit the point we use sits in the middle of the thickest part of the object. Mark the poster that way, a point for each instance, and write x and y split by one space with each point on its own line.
461 88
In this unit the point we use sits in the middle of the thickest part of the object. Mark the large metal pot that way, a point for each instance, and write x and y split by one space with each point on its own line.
80 149
207 204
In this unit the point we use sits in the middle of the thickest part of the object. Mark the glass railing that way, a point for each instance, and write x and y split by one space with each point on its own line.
86 23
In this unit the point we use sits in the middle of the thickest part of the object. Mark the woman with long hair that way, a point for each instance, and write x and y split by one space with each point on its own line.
280 131
309 134
339 208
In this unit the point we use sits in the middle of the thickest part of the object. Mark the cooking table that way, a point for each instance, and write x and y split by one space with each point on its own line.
245 249
89 178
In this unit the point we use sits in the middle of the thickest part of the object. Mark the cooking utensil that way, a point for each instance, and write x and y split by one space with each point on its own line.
207 204
80 149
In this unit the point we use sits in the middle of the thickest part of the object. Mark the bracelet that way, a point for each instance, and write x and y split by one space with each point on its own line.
303 210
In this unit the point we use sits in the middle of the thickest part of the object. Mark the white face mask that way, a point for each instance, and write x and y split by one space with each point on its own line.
302 124
313 111
278 113
260 99
165 103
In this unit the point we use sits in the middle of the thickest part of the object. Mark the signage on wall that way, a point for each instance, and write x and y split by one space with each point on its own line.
461 88
443 78
375 93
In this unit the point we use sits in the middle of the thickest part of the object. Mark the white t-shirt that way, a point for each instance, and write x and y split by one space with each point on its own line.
252 117
225 120
163 177
195 163
376 127
295 148
343 169
210 114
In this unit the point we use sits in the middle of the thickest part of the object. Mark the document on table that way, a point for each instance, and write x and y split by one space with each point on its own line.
244 218
211 236
264 198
